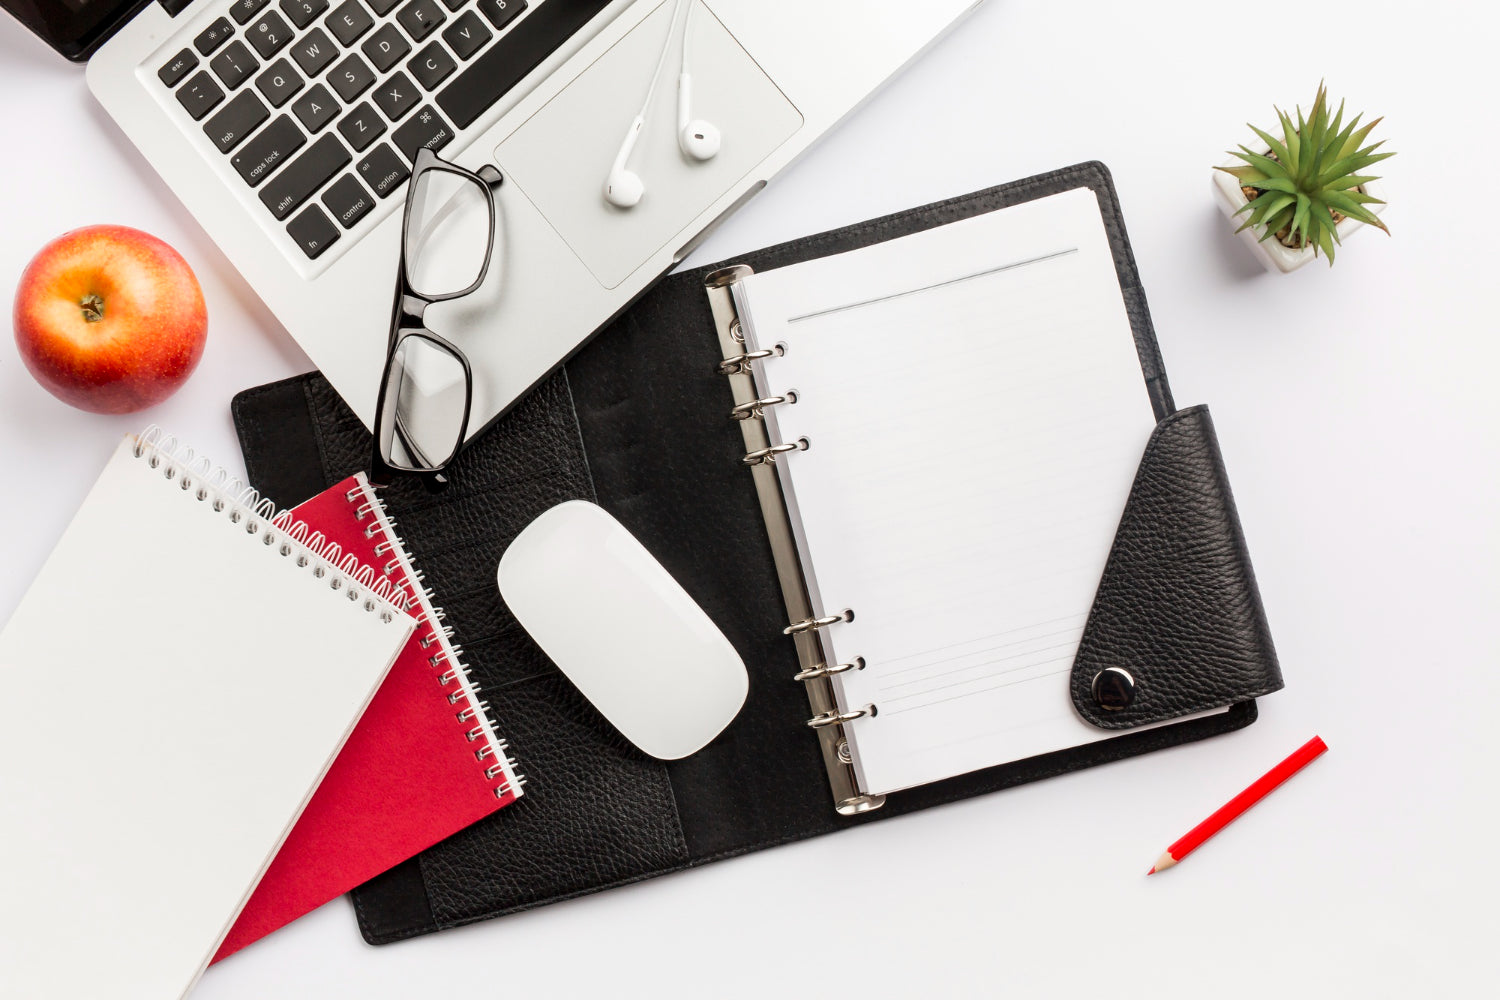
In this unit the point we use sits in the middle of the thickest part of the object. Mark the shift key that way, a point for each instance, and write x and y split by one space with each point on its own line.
303 176
269 150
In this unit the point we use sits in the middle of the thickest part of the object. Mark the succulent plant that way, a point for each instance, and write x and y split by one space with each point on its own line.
1309 178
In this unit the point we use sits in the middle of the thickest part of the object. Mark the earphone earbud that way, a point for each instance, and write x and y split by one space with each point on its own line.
624 187
695 137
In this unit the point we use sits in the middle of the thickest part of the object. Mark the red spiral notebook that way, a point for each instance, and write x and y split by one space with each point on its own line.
423 763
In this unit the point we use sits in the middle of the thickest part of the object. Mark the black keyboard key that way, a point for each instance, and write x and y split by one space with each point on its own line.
362 126
384 7
244 10
432 66
303 12
386 47
239 118
454 4
351 78
234 65
396 96
426 130
270 149
316 108
348 200
313 232
314 51
502 12
181 65
269 35
349 21
304 175
213 36
421 18
200 96
279 83
506 63
466 35
383 170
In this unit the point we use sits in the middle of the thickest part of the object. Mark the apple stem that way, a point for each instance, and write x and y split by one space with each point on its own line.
93 307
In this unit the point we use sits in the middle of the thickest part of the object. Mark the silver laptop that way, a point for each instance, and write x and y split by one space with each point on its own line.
288 128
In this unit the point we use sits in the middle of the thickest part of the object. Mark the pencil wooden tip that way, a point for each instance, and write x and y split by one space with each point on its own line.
1163 863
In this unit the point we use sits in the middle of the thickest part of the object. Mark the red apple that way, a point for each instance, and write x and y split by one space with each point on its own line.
110 319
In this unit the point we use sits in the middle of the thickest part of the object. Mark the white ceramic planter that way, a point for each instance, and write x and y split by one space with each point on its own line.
1271 253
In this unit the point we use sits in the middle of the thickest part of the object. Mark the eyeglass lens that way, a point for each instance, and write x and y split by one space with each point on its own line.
426 396
447 233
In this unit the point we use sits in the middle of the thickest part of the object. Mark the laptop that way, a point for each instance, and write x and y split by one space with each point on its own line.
289 127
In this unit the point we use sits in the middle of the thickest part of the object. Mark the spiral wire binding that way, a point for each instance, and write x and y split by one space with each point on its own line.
277 529
448 657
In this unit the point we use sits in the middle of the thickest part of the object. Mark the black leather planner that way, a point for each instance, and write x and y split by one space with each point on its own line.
636 422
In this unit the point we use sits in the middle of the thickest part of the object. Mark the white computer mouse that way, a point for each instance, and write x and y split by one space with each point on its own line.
623 630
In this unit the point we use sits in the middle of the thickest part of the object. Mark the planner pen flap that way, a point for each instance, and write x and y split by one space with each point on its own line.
1176 626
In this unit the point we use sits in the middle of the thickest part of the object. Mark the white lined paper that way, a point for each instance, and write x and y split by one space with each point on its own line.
975 412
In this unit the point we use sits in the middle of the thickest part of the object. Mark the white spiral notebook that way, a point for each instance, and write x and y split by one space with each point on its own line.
173 686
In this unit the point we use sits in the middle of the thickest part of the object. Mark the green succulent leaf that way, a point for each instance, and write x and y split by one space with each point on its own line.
1267 166
1243 174
1283 184
1351 181
1279 148
1329 238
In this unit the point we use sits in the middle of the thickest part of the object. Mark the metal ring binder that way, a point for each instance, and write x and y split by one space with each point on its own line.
826 671
836 718
813 624
766 455
740 363
755 407
740 352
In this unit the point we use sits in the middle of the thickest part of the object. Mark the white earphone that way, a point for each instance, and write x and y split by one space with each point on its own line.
699 139
623 187
696 137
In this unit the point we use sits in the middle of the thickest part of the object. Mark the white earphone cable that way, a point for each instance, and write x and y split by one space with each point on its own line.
661 60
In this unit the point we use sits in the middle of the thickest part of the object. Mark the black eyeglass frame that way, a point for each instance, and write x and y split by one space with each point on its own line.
408 310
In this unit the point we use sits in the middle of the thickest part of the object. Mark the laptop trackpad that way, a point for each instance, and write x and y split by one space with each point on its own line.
561 155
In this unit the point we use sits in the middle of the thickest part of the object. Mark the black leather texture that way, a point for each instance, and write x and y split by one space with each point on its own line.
638 421
1177 606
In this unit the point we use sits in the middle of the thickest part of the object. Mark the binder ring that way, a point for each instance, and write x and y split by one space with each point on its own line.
813 624
826 671
740 363
836 718
755 407
768 455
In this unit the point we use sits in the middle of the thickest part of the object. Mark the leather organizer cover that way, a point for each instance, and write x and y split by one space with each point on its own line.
637 423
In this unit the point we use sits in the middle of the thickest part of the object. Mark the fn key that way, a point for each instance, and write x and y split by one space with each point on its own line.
312 232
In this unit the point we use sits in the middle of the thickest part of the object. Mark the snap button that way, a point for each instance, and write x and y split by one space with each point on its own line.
1114 688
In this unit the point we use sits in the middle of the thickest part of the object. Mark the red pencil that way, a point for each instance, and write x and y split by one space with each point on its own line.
1231 810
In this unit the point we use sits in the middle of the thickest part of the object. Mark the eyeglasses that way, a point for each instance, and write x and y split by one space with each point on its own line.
427 388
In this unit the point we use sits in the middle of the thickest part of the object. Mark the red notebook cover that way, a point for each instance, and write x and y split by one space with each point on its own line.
423 763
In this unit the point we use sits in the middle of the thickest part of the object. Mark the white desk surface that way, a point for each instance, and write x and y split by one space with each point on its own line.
1358 414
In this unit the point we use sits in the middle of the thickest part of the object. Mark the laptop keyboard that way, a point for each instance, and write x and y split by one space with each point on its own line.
322 105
